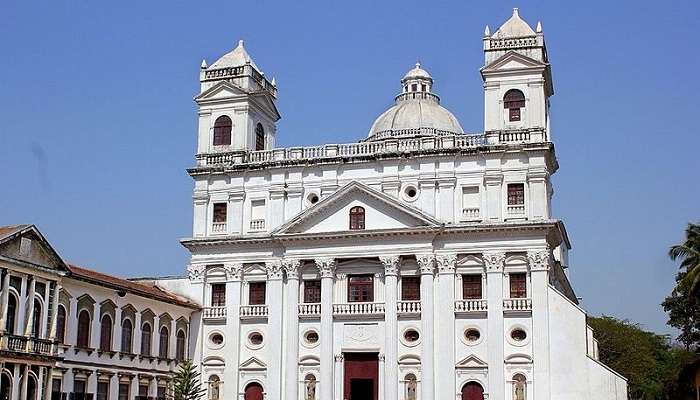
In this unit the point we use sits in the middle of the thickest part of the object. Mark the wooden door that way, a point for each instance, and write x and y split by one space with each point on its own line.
362 376
472 391
253 392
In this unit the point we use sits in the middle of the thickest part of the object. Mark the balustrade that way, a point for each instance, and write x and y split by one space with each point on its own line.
218 227
257 224
471 305
24 344
470 214
309 309
217 312
357 309
518 209
408 307
254 311
524 304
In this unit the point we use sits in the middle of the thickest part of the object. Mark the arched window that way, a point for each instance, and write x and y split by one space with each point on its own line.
472 391
146 339
180 346
253 391
222 131
106 333
310 387
357 218
61 324
36 319
214 387
519 387
163 344
11 314
411 387
127 336
513 101
259 137
83 329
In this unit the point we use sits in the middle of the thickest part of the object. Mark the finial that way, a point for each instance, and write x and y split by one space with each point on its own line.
515 12
417 64
539 26
274 82
204 63
240 43
487 31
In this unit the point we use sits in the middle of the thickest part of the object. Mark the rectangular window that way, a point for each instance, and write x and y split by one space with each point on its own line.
471 287
143 390
219 212
56 385
360 288
218 294
516 194
410 288
518 286
78 386
471 202
256 293
312 291
160 392
102 390
124 389
257 215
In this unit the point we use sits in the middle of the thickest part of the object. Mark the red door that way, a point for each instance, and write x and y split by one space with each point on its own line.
253 392
472 391
361 376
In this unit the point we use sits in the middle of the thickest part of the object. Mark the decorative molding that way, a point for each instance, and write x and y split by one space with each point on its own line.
196 272
391 264
381 357
234 271
291 265
326 267
426 263
494 261
446 263
274 269
539 260
339 358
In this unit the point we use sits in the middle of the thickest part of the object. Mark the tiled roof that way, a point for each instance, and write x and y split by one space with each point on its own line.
9 230
139 289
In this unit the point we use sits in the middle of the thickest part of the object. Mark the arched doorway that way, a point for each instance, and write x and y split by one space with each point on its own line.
5 386
472 391
31 388
253 392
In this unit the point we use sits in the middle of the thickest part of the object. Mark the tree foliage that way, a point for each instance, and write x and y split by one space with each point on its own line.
186 384
646 359
684 312
688 253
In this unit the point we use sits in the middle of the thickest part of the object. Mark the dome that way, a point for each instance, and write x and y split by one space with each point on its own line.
514 27
235 58
417 111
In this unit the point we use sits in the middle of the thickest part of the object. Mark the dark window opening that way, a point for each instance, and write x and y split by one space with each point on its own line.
127 332
513 101
106 333
410 288
357 218
164 343
518 286
259 137
256 293
180 346
222 131
516 194
83 329
218 294
36 319
219 212
360 288
146 340
312 291
61 324
471 286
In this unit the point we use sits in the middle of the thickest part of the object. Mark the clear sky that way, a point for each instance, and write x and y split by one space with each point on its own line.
97 122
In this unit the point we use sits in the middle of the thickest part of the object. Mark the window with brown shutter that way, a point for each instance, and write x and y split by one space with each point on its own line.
360 288
410 288
312 291
513 101
164 343
127 336
219 212
180 346
106 333
146 340
516 194
259 137
83 329
222 131
471 287
218 294
518 286
61 324
256 293
357 218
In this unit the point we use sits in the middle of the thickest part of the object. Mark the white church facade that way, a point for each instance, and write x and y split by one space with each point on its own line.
420 263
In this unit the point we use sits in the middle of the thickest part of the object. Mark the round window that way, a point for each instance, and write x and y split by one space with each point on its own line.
311 337
518 335
255 338
472 335
411 335
216 338
410 193
312 198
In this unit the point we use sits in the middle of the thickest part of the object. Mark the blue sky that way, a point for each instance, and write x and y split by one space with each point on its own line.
97 122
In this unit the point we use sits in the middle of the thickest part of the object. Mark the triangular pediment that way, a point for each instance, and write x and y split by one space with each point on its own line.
24 243
472 361
253 363
225 90
332 213
513 61
221 90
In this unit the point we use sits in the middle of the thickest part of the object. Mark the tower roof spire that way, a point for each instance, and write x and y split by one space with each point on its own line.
514 27
235 58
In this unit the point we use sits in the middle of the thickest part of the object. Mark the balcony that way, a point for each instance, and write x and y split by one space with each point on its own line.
358 310
25 344
471 306
309 310
253 311
471 214
517 305
257 225
218 227
214 313
515 211
406 308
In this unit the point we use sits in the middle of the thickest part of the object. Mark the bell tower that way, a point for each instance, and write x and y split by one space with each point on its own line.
237 110
517 78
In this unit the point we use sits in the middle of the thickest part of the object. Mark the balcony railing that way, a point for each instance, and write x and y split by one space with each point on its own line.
471 214
25 344
80 396
358 309
216 312
257 225
515 210
471 306
309 309
218 227
524 304
408 307
254 311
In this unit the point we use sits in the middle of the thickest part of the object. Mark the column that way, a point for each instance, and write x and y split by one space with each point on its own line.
276 205
426 264
155 337
29 307
68 380
172 340
494 280
25 381
291 266
234 274
134 387
4 298
117 335
381 382
199 225
445 342
92 383
539 261
136 335
339 368
40 382
54 312
16 382
95 328
48 383
427 189
72 322
274 323
113 387
391 351
326 267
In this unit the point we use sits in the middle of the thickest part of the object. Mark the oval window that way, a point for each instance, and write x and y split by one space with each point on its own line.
255 338
518 335
216 338
311 337
472 335
411 335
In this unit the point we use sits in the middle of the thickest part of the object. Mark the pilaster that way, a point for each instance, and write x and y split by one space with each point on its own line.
540 262
234 275
391 270
234 213
291 266
274 324
326 267
493 181
4 298
199 226
494 263
29 307
445 341
426 263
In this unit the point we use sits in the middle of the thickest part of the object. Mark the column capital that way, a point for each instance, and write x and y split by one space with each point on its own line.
234 271
339 358
291 266
446 263
274 270
539 260
196 272
494 261
391 264
426 263
326 266
381 357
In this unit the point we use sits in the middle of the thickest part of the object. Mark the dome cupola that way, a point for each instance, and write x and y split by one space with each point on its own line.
416 112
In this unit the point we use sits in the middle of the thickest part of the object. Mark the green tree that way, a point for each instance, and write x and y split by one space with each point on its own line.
684 312
186 384
688 253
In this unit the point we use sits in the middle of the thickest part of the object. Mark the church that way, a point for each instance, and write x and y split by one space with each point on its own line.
419 263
